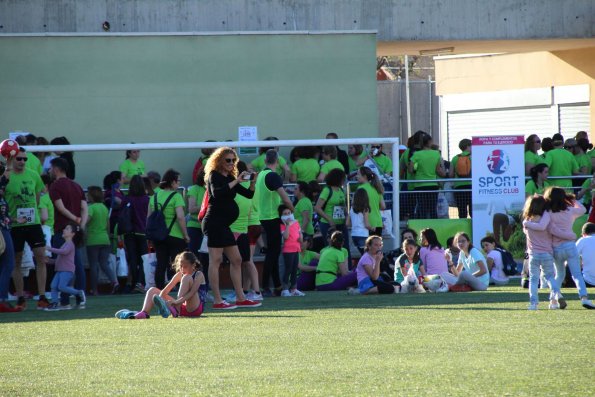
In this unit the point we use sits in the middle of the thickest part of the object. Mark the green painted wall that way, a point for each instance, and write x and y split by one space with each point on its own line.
107 89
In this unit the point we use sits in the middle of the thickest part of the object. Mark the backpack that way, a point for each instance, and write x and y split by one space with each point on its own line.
125 219
508 263
463 167
203 206
156 229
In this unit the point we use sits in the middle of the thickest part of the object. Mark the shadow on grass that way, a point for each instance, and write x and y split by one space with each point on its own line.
498 299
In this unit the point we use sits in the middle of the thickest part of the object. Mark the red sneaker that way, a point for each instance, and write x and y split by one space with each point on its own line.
224 306
248 303
460 288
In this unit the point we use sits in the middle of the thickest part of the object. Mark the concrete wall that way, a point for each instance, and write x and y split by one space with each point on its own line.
392 109
413 20
185 88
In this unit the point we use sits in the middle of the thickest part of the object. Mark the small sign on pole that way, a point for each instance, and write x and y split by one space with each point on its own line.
245 134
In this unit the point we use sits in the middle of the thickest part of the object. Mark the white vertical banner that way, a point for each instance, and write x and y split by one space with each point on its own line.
498 193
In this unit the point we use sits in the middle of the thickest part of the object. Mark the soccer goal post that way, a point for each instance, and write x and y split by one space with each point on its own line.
246 144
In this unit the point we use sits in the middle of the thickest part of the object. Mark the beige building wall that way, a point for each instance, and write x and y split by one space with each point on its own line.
518 71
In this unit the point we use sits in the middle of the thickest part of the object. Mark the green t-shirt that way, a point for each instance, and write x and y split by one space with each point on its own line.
531 188
46 202
561 163
198 193
307 256
33 163
130 169
403 164
97 233
588 196
304 204
305 169
453 165
169 212
353 163
335 206
425 163
328 265
244 204
253 218
331 165
374 217
21 196
584 160
258 164
533 158
384 163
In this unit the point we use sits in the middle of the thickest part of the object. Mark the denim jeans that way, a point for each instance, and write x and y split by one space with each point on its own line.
61 283
545 262
6 265
98 257
566 253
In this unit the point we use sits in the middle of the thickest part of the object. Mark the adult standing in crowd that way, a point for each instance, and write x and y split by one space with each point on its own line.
305 169
7 257
579 148
171 203
136 241
113 197
426 164
269 194
373 187
68 156
460 167
259 163
329 155
382 161
532 158
561 162
154 179
131 166
33 162
357 157
223 183
342 156
200 164
22 194
70 206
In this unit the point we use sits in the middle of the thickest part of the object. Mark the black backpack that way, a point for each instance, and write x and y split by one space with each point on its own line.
508 263
156 229
125 219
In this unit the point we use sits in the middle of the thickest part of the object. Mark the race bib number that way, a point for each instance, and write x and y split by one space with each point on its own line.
27 213
338 212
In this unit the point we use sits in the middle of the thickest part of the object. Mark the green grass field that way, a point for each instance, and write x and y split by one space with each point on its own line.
323 344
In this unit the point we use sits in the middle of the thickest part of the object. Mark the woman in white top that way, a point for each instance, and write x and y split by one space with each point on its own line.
471 269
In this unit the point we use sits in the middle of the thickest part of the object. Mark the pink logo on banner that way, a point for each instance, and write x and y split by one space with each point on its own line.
498 162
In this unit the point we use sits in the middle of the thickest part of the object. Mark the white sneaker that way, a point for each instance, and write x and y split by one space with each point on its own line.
587 304
297 292
353 291
532 306
285 293
254 296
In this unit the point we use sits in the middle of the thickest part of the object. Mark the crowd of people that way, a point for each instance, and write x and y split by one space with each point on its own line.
232 207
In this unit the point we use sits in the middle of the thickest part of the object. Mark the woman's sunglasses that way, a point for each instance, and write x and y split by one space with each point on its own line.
230 160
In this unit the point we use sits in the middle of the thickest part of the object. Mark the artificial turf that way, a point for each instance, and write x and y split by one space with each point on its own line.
327 343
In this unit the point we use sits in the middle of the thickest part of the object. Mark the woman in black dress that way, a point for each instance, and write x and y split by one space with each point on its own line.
223 182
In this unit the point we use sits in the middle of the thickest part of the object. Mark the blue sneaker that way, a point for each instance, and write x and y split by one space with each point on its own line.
125 314
161 305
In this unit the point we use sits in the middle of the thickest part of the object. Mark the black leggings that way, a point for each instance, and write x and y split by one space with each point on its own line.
136 247
272 229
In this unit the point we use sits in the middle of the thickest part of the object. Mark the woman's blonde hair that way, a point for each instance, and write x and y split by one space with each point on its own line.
217 161
370 241
185 256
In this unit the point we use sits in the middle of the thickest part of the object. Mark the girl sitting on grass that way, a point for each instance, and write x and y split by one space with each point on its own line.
471 272
191 294
307 266
409 257
368 271
64 268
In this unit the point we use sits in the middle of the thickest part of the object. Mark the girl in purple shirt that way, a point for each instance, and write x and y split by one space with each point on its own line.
431 253
64 268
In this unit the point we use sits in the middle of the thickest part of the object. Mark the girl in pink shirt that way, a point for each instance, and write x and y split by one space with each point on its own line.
540 250
292 246
431 253
564 211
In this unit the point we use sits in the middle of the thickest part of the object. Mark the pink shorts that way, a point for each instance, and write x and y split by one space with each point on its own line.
196 313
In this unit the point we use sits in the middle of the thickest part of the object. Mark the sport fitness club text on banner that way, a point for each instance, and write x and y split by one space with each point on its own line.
498 192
